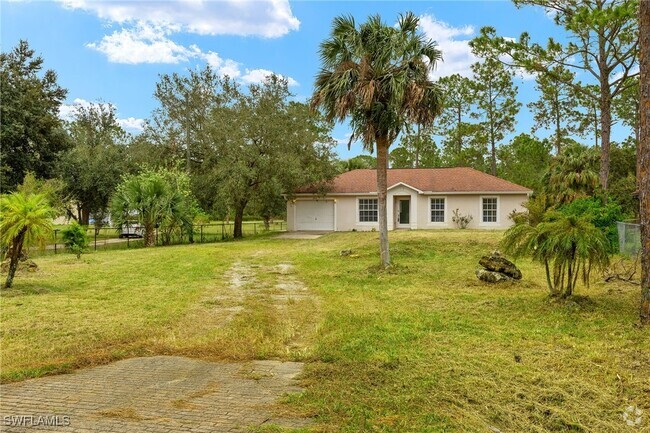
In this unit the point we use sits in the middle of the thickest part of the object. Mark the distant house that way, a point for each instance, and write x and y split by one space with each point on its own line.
418 198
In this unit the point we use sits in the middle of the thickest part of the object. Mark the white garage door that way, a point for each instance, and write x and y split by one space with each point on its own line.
315 215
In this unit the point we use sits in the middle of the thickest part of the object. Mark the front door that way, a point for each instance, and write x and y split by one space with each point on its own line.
404 212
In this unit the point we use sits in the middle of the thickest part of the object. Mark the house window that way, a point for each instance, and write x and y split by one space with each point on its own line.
437 210
489 209
368 210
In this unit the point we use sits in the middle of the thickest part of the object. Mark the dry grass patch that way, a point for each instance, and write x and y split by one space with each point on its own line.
172 300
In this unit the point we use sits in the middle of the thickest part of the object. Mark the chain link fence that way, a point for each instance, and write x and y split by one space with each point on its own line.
105 238
629 238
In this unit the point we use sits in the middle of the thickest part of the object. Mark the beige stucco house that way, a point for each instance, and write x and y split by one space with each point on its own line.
418 198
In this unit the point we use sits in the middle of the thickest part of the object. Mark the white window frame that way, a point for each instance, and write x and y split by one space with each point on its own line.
359 211
444 216
498 211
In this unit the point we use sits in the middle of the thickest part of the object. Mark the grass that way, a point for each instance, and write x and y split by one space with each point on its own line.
424 347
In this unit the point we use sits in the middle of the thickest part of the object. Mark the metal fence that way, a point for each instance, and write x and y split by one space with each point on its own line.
105 238
629 238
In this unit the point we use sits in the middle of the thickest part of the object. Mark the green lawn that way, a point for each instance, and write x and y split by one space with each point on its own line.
425 347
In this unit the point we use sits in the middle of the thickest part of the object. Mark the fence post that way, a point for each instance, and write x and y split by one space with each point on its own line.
55 232
95 240
222 230
201 233
255 228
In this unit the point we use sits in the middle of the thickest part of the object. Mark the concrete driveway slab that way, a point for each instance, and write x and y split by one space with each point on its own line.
154 394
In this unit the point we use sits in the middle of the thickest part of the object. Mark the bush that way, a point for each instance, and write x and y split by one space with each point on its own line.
603 216
622 190
75 238
462 221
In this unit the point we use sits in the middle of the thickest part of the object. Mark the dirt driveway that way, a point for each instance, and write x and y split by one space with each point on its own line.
171 393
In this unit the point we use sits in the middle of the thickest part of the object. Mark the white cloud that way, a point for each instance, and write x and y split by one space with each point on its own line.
149 43
257 76
222 66
456 53
144 43
132 124
67 111
129 124
454 44
265 18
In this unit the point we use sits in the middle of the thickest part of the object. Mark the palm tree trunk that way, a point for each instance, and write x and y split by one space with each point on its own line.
417 149
551 287
382 185
568 291
14 256
643 157
149 234
459 141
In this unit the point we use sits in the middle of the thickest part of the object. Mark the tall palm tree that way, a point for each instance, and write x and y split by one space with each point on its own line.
378 76
24 219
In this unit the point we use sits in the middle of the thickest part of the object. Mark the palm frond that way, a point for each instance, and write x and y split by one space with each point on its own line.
29 213
377 76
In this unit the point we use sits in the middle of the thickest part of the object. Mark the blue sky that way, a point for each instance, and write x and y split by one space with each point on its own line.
115 50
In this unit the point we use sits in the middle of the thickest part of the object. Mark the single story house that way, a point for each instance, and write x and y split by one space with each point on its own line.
418 198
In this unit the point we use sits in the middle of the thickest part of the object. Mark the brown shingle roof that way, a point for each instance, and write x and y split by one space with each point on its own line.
457 179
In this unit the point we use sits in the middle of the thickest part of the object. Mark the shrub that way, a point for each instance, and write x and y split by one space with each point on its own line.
535 209
603 216
462 221
75 238
202 218
622 190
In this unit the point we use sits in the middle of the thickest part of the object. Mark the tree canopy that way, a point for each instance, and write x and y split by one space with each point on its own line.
266 145
31 132
92 168
603 43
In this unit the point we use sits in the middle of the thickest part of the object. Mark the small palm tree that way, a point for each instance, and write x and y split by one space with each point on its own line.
568 246
151 198
25 219
378 76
